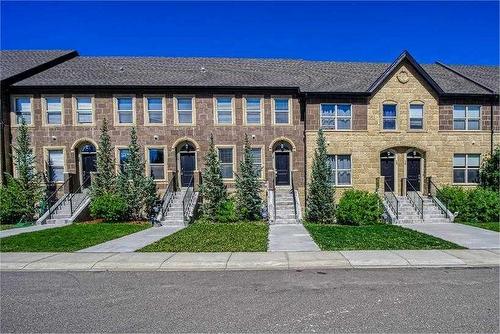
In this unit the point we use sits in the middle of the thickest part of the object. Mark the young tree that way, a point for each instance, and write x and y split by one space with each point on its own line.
104 182
212 189
489 173
138 190
248 187
321 199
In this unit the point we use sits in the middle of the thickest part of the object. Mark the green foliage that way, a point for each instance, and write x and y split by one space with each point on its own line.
12 198
104 182
248 187
489 174
213 191
138 190
358 207
321 197
108 206
226 212
473 205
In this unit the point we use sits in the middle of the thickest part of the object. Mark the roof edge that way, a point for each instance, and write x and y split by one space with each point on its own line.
465 76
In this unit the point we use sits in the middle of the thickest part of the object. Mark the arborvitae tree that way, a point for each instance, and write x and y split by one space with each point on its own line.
321 198
104 182
248 187
138 190
212 188
489 173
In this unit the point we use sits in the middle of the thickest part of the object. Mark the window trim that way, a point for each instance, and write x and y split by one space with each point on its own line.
13 118
273 110
416 102
176 111
335 117
233 147
337 185
74 109
45 110
216 112
262 110
115 109
465 168
262 160
46 150
394 103
117 157
165 160
467 117
146 109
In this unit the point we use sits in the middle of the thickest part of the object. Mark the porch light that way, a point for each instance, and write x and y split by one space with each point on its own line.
282 147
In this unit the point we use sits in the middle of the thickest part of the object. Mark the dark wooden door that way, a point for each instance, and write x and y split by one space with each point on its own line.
413 173
387 170
88 166
188 164
282 164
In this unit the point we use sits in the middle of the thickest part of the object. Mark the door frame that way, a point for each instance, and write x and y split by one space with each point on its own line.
178 164
80 160
421 157
394 168
289 166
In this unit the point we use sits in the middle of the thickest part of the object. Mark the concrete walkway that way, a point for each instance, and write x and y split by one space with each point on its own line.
291 238
464 235
20 230
133 242
250 261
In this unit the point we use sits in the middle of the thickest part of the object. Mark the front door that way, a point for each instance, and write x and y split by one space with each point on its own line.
88 166
387 171
282 164
413 173
188 163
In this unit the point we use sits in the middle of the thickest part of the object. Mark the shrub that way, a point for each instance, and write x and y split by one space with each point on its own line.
110 207
476 205
357 207
11 203
489 174
226 212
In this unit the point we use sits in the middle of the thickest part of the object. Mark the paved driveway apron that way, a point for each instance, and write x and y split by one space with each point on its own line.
460 234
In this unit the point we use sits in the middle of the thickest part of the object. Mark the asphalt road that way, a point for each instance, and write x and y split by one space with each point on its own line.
350 300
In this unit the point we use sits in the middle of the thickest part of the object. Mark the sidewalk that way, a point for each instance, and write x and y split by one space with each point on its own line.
249 261
20 230
293 238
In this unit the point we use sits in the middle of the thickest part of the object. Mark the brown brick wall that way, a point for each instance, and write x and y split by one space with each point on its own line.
359 111
446 112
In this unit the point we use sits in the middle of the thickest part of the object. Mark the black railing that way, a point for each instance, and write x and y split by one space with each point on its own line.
415 199
434 193
52 199
74 203
274 197
391 200
187 200
168 196
293 196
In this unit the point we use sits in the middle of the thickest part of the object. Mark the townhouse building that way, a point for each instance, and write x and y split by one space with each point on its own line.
388 126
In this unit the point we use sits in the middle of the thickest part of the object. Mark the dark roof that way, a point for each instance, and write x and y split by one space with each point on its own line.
488 76
17 62
308 76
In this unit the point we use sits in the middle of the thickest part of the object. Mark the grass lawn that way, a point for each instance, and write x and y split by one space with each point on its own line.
68 238
380 236
493 226
7 226
207 237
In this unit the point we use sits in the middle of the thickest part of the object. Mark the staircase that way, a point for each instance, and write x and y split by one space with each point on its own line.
285 213
409 215
175 215
62 213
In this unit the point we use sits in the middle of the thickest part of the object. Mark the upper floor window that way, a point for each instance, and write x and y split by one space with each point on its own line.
125 110
340 166
466 168
154 110
185 110
56 165
281 111
156 163
123 154
336 116
84 114
53 108
224 110
226 162
416 116
466 117
253 107
389 117
257 160
22 109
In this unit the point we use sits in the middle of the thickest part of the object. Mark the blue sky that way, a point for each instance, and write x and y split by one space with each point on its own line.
453 32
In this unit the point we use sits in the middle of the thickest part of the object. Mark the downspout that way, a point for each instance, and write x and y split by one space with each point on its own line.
491 128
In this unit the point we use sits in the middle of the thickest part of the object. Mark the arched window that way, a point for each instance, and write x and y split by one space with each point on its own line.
186 147
282 146
87 148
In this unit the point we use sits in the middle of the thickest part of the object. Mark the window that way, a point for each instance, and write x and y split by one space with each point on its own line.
185 110
466 117
157 163
466 168
224 110
253 110
281 111
226 162
56 165
257 160
416 116
22 109
53 107
154 109
122 158
389 117
341 169
336 116
125 110
84 110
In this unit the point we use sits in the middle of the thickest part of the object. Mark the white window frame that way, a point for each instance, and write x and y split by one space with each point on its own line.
216 110
14 113
336 170
274 112
389 103
467 118
335 116
415 103
46 111
147 111
116 111
47 166
76 111
177 111
262 159
147 148
246 111
233 150
465 168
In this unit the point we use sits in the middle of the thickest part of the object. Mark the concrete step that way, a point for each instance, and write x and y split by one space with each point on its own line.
56 221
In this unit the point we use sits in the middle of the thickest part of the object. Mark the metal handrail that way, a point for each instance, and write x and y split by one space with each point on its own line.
187 199
168 196
293 196
73 207
390 197
50 198
434 192
274 196
417 201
